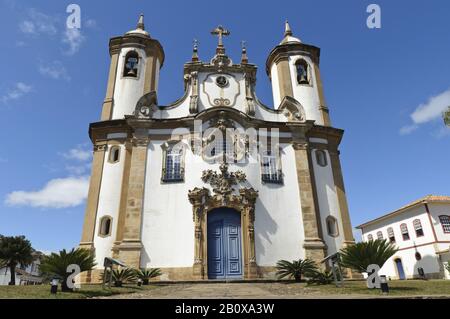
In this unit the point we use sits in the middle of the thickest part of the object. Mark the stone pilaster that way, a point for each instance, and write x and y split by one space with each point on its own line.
87 237
131 245
109 98
323 107
284 78
314 245
342 198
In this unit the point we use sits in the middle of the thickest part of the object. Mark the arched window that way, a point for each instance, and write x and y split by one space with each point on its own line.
130 68
380 235
301 67
418 227
332 226
321 158
114 154
173 167
369 237
391 235
404 231
445 222
105 226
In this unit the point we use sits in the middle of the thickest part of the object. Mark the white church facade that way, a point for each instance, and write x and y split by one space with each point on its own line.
421 232
215 185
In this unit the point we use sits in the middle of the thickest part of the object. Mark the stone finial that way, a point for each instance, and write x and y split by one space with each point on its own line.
244 57
195 51
140 24
287 29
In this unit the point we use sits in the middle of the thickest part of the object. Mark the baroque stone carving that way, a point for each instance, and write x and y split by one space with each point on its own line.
144 107
292 109
223 183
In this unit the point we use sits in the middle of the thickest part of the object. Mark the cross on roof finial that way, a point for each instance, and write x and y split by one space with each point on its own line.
220 32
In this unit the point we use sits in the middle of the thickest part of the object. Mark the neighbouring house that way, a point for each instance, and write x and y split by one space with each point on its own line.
421 231
25 275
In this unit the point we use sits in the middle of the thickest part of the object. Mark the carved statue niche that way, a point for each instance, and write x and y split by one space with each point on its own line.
144 107
292 109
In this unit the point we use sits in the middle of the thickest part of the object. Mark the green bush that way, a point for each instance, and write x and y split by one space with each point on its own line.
295 269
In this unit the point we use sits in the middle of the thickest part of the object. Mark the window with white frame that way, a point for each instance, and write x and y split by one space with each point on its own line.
445 222
173 166
418 227
271 167
404 231
380 235
391 234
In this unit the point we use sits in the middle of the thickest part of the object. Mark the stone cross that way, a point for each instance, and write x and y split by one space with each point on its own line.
220 32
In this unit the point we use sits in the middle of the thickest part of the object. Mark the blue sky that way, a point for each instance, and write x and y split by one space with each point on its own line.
385 87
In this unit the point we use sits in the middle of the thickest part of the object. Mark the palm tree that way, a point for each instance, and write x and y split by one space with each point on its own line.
295 269
14 251
119 276
56 264
360 255
146 274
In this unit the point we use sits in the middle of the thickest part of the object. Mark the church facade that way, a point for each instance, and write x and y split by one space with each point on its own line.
216 185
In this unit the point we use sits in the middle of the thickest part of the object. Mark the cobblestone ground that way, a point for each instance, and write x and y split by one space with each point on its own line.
229 290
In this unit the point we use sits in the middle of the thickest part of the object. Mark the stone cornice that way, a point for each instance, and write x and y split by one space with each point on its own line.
284 50
151 46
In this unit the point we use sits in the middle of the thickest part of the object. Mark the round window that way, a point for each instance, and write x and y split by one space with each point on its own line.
221 81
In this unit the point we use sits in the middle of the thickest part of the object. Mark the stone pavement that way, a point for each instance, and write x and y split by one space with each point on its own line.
230 291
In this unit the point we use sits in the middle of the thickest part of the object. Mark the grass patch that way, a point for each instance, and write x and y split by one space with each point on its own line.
396 288
43 292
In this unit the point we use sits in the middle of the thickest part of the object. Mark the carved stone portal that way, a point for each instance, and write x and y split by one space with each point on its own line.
224 195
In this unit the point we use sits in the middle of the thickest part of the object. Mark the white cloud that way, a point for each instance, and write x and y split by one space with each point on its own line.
90 23
78 169
78 153
73 38
57 193
55 70
37 23
20 89
428 112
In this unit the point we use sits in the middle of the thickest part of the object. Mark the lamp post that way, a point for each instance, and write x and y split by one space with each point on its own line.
384 285
54 286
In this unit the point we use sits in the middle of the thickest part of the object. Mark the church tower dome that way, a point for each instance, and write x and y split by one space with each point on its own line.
293 68
136 59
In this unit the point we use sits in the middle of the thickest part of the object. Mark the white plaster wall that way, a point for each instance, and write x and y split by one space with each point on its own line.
328 202
275 85
307 95
168 228
429 262
406 217
128 90
108 205
437 209
235 92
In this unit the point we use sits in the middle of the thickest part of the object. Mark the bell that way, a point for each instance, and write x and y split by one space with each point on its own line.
132 72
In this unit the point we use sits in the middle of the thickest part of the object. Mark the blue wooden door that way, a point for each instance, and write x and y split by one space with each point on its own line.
224 244
400 270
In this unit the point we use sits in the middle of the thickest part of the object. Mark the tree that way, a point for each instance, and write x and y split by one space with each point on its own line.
15 251
295 269
360 255
56 264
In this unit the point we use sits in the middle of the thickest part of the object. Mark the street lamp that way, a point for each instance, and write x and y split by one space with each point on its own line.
384 285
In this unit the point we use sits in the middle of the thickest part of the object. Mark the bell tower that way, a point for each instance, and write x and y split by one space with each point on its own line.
293 68
136 59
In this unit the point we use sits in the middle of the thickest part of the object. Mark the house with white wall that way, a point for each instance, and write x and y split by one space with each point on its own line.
421 232
25 274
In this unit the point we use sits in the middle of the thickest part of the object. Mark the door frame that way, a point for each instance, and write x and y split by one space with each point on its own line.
396 268
202 204
241 241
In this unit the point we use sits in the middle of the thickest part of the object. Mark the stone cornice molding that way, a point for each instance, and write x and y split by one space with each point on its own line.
151 46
